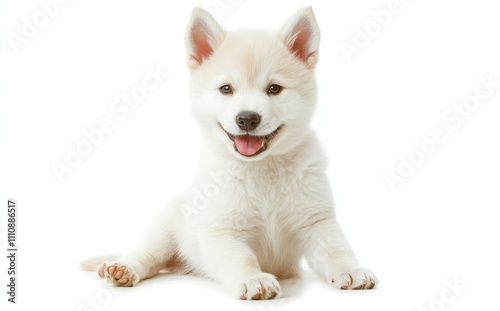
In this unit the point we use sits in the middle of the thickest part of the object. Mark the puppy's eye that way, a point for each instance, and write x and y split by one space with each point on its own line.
226 89
274 89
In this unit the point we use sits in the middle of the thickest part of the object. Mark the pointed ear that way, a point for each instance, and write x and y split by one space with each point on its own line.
203 36
301 35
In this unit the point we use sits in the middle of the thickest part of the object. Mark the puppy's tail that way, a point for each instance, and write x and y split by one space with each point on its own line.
91 264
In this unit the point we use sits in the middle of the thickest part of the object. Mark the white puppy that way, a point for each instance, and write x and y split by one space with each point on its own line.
261 199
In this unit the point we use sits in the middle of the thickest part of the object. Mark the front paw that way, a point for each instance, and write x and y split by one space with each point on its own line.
118 274
261 286
353 278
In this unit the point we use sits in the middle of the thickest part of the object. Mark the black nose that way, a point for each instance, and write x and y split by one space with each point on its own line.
248 120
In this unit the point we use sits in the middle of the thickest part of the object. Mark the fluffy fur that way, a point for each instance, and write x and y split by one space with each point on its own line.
246 221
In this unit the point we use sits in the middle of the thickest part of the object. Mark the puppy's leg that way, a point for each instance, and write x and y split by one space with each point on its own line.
232 262
157 248
330 255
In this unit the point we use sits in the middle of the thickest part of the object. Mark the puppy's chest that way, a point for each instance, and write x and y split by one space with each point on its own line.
268 192
271 209
274 196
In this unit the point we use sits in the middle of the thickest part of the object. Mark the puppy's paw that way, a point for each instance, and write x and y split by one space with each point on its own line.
261 286
354 278
118 274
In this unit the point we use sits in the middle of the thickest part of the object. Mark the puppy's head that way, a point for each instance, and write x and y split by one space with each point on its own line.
253 90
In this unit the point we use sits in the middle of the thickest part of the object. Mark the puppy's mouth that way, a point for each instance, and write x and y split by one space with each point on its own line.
251 145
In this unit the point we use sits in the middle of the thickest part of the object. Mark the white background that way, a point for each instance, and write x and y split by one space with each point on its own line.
440 225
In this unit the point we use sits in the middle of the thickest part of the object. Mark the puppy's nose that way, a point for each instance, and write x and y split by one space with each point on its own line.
248 120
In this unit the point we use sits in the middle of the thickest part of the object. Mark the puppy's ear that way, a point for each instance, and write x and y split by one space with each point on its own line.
203 36
301 35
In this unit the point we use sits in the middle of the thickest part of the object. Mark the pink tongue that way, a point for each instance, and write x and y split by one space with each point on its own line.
248 145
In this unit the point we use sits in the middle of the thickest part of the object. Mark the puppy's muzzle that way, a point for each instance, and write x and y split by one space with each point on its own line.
248 120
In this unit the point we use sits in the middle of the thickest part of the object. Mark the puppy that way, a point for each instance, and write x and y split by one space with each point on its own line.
261 199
